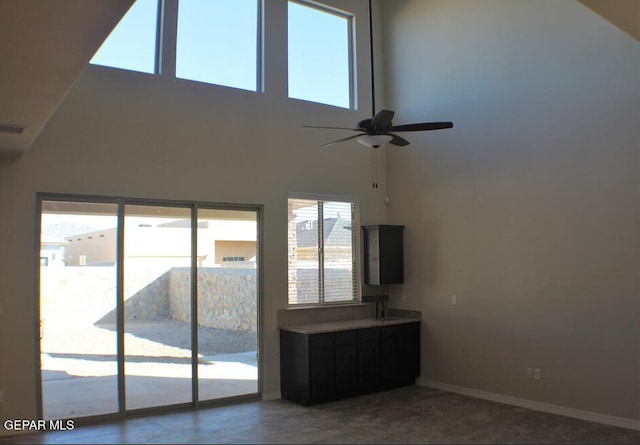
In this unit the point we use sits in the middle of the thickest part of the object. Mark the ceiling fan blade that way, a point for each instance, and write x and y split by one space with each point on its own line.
330 128
365 124
397 140
382 119
425 126
341 140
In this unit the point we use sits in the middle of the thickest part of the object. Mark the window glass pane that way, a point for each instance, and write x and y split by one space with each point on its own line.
303 252
217 42
339 282
78 298
322 252
227 303
319 55
157 305
132 43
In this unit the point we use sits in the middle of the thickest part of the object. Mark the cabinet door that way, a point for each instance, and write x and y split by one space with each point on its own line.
391 255
399 355
383 254
346 363
294 367
321 368
368 360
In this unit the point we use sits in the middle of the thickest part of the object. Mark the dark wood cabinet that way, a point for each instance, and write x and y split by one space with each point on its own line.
368 360
346 363
383 254
399 362
316 368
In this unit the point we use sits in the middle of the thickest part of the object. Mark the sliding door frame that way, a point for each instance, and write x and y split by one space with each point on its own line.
121 202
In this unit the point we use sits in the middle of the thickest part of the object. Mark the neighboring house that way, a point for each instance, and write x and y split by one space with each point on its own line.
220 244
337 240
52 251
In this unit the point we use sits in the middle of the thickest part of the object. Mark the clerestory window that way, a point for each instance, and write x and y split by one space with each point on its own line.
218 42
132 45
322 250
320 54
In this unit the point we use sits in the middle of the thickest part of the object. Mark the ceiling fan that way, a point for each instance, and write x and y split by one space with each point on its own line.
378 130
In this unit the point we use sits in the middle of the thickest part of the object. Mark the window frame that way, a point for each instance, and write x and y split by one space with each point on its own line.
355 250
351 48
259 46
158 46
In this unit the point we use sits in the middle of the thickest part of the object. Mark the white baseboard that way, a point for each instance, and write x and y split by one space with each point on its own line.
622 422
271 395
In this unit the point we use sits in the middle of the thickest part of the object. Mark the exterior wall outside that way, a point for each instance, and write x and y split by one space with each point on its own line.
154 244
226 297
93 249
52 255
245 249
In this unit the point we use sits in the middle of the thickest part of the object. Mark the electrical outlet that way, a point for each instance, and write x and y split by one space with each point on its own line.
529 373
537 374
454 300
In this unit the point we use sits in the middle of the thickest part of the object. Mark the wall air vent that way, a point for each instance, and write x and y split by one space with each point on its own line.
13 129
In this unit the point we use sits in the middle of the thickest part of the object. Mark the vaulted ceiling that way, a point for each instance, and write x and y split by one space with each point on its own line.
46 44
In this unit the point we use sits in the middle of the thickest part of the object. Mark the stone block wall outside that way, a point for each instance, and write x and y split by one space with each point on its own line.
227 297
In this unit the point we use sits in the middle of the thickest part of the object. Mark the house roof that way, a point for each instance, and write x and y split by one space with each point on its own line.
47 240
337 232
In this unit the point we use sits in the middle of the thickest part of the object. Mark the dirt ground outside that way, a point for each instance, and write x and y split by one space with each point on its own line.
79 356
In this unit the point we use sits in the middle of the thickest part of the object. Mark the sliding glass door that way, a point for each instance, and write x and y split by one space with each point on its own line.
146 304
157 305
78 343
227 303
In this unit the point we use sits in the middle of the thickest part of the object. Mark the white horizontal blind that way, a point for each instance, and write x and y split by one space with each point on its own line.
322 251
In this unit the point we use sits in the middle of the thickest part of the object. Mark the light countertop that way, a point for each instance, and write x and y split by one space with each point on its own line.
345 325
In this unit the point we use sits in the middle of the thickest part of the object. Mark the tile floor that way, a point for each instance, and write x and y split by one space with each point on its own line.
411 414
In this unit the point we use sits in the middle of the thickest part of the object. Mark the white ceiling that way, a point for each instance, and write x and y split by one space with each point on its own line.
45 45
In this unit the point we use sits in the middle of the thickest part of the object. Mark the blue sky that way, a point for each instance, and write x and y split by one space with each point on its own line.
216 43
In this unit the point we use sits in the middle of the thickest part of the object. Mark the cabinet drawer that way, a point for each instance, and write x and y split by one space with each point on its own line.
399 330
321 340
368 334
345 337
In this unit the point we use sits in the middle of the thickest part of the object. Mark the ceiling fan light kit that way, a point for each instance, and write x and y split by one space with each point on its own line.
374 140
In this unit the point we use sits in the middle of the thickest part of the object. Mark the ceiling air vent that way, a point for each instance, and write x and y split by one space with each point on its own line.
11 128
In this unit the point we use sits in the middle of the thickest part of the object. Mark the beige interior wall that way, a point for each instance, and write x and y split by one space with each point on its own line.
120 133
527 210
625 14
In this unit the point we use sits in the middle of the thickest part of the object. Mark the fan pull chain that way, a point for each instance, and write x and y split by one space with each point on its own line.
374 154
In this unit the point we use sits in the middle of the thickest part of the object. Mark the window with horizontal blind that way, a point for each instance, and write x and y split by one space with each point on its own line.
322 250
